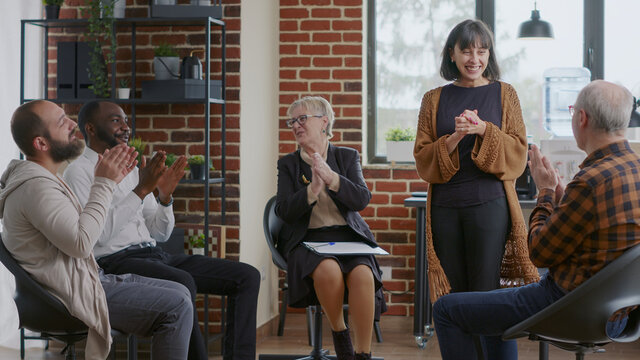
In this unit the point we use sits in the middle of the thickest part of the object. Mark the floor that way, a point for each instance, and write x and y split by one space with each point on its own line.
399 343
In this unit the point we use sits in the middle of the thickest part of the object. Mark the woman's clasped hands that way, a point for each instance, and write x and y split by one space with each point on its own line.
469 123
322 175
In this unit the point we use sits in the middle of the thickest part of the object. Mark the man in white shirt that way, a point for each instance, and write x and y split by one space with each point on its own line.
137 220
51 236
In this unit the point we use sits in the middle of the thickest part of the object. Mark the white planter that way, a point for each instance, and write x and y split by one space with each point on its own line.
164 2
166 67
197 251
400 151
124 93
118 9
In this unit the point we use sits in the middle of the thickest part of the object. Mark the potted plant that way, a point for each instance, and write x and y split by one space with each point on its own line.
197 167
400 144
166 63
52 8
140 145
100 18
197 244
124 91
170 159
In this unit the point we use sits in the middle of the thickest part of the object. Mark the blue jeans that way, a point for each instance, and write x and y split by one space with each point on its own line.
460 316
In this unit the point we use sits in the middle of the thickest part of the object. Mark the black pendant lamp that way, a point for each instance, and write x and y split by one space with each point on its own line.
535 28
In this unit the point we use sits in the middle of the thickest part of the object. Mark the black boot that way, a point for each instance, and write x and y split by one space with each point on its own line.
342 344
363 356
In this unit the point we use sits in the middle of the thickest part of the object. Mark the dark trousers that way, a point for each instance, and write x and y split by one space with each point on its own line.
238 281
470 243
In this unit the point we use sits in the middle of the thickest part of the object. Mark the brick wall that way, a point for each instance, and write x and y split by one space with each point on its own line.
179 128
321 53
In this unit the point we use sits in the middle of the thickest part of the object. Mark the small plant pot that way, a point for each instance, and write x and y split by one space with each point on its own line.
201 2
124 93
166 67
197 251
51 12
197 171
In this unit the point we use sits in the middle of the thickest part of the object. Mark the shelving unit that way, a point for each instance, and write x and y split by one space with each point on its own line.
134 24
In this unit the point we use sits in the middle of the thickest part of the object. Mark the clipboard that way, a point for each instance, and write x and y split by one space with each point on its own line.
344 248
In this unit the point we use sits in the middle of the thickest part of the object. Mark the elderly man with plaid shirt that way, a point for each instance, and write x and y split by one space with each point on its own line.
574 231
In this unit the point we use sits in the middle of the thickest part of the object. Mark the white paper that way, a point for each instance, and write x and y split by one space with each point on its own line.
344 248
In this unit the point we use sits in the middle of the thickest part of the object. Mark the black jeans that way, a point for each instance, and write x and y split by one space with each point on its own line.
238 281
469 242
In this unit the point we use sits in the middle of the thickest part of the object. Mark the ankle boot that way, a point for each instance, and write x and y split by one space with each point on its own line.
363 356
342 344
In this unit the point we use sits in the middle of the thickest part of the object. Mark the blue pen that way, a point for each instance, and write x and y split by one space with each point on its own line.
329 243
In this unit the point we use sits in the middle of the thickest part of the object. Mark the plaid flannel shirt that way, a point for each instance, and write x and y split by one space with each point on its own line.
597 219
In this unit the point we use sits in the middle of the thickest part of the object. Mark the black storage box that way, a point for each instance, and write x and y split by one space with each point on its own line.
180 89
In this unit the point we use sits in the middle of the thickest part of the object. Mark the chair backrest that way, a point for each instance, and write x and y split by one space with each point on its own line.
581 315
272 224
38 310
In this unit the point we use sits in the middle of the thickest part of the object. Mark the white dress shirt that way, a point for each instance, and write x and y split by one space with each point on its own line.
130 221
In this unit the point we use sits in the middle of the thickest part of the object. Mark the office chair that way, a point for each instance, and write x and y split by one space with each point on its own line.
41 312
272 224
577 321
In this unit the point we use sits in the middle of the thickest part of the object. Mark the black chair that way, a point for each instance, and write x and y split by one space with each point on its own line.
577 321
272 225
41 312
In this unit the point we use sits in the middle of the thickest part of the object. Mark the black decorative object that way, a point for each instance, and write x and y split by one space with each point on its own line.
535 28
73 76
51 12
180 89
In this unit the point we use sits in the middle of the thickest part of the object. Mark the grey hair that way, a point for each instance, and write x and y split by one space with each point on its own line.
608 105
316 105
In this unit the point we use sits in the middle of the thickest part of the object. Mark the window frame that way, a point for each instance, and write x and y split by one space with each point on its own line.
592 59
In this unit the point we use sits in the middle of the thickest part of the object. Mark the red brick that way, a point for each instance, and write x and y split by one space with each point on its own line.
288 49
315 25
347 74
353 62
288 25
379 199
401 249
296 38
314 49
327 62
340 25
403 224
392 237
353 13
397 310
168 123
294 13
376 173
403 274
347 124
325 13
298 62
289 2
399 212
341 99
395 285
351 111
288 74
326 86
326 37
347 2
378 224
418 186
316 2
399 198
153 136
405 174
391 186
347 49
368 212
294 86
315 74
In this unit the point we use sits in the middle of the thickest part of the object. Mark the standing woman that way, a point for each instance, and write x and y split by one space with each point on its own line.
320 191
470 147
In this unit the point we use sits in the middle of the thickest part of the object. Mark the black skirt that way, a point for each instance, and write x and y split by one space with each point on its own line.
301 262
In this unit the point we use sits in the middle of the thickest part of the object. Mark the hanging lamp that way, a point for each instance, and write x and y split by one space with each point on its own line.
535 28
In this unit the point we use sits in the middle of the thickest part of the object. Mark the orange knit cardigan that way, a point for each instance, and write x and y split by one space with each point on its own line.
502 152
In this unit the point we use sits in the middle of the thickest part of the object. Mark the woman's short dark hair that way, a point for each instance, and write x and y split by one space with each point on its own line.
469 33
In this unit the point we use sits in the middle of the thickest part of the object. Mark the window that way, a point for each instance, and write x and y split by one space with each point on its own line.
408 36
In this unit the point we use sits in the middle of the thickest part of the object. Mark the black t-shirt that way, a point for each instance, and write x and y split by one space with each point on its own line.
470 185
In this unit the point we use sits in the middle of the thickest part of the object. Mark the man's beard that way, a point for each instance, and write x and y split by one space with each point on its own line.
106 137
65 151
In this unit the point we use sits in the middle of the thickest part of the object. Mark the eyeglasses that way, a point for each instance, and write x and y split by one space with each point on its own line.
301 119
572 110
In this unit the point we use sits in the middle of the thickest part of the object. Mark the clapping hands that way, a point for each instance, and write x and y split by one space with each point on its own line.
322 175
116 163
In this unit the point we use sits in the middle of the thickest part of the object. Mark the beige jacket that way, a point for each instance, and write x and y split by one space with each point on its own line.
52 237
502 152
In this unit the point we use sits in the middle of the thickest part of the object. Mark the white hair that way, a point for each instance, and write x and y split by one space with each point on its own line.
317 106
608 105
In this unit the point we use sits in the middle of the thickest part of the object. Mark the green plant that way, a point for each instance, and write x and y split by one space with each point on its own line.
399 134
52 2
124 83
199 160
164 50
140 145
171 158
100 18
196 241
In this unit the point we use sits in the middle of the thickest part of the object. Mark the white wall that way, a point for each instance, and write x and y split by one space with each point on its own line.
258 141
